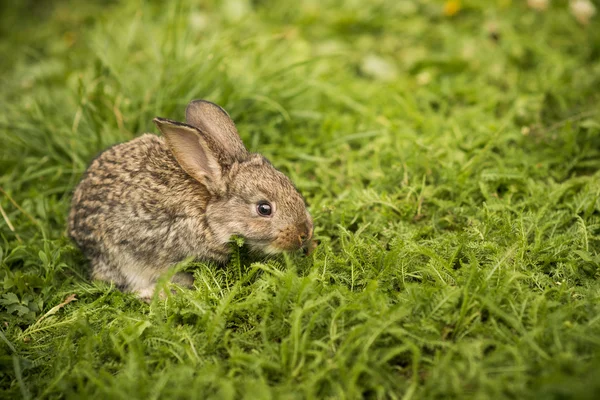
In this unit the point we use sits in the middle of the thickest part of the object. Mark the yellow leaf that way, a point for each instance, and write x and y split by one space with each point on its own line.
451 7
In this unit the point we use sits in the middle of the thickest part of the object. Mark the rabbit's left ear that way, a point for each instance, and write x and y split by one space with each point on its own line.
194 153
214 123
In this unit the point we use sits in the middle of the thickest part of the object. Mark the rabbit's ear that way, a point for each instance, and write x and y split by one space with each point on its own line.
213 121
193 152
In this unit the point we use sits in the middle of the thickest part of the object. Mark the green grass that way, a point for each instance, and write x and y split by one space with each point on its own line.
453 175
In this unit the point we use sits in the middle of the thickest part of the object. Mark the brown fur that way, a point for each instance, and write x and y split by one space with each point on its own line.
147 204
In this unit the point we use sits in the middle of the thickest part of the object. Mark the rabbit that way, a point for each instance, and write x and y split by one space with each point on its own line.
147 204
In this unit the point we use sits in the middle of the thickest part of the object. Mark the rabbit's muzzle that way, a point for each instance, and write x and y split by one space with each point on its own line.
295 238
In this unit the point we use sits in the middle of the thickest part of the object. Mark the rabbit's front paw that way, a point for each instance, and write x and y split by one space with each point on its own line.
184 279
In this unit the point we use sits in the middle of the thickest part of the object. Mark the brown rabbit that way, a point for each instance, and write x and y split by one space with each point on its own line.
147 204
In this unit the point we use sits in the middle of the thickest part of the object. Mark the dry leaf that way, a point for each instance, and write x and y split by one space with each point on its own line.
56 308
582 10
539 5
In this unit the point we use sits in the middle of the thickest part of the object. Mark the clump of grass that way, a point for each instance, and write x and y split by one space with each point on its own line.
451 165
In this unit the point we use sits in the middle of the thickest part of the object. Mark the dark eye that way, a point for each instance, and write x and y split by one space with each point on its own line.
264 208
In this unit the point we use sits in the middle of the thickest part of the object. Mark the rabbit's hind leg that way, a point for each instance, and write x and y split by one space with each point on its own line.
103 271
145 289
141 280
138 276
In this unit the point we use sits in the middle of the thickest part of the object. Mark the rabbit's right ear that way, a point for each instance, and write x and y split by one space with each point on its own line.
193 153
215 123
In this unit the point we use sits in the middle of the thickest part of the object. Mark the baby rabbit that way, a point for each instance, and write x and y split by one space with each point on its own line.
147 204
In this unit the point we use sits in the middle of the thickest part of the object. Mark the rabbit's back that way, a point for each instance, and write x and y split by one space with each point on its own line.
135 204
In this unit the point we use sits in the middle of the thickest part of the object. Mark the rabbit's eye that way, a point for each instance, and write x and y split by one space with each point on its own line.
264 208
